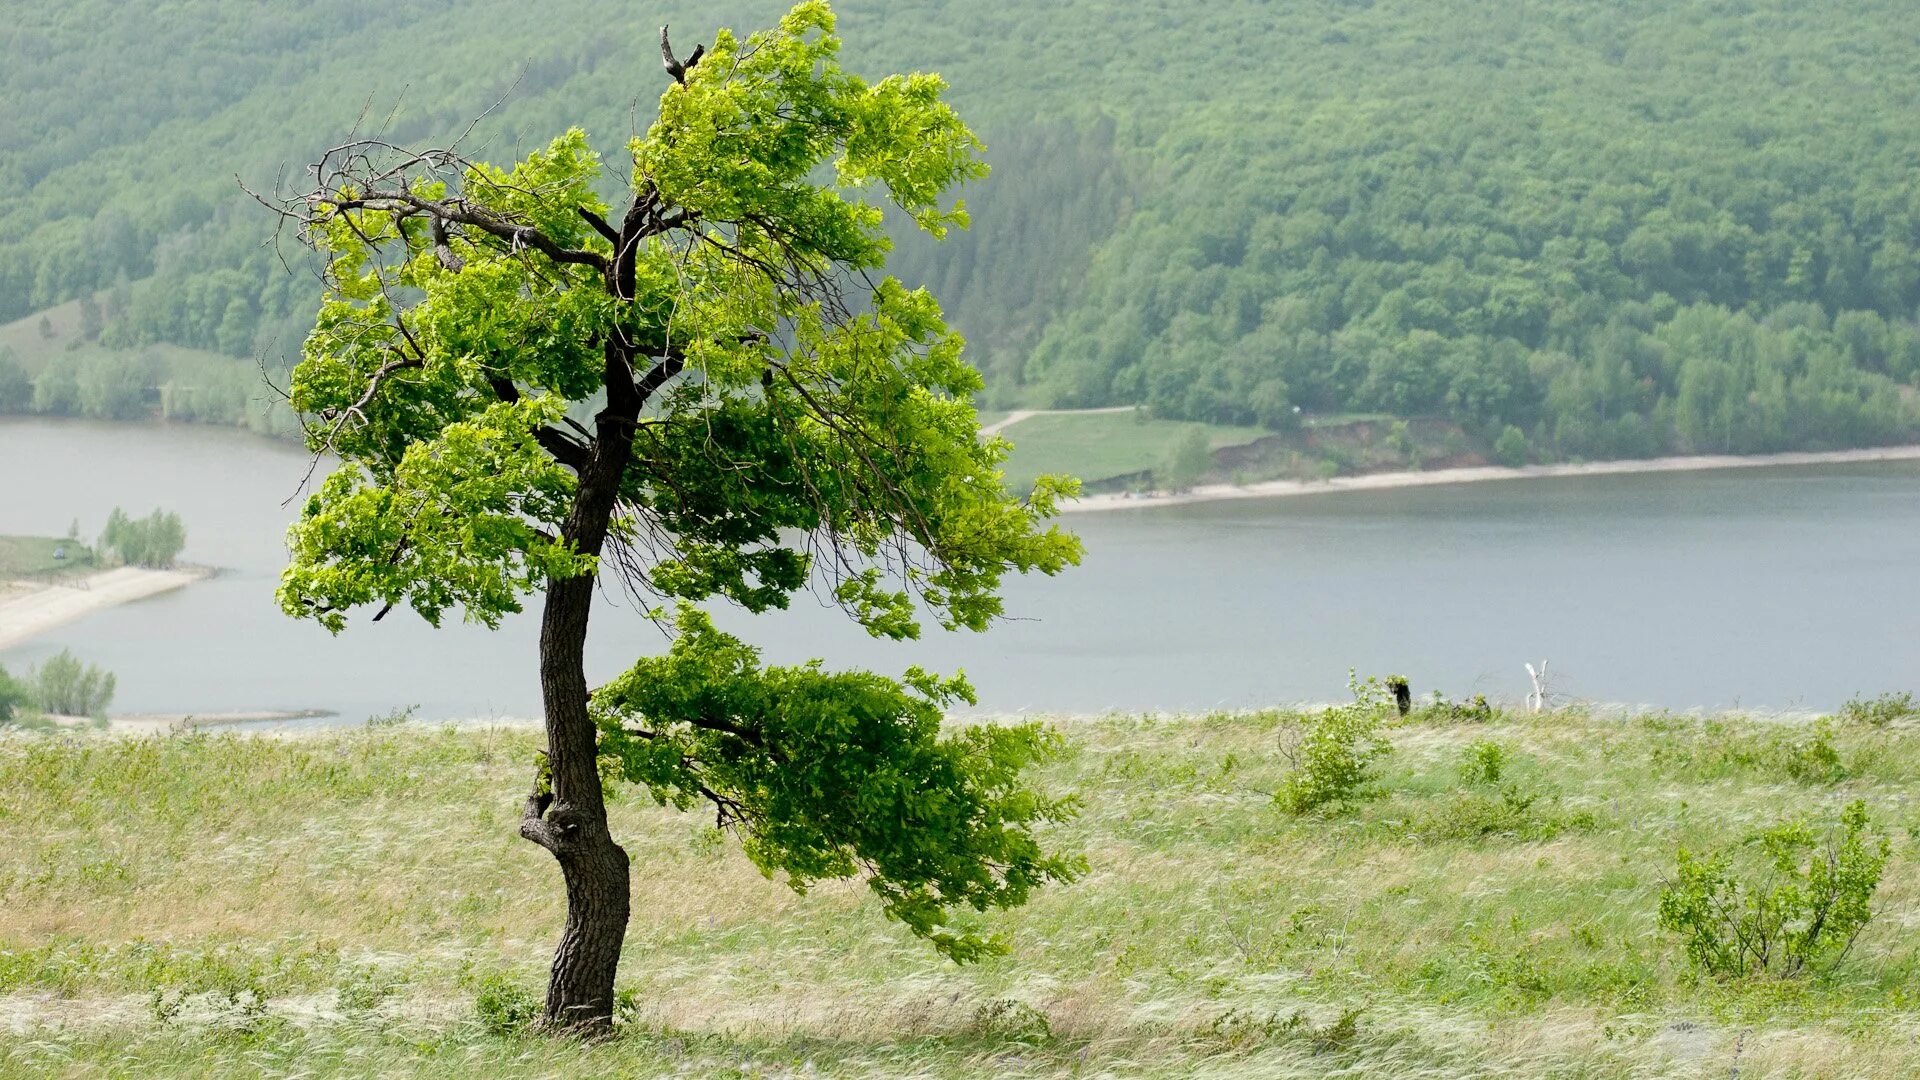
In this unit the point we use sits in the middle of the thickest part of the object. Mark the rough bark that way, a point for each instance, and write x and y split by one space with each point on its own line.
569 818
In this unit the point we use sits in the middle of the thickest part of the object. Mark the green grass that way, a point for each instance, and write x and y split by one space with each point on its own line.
30 346
32 557
331 906
33 349
1097 446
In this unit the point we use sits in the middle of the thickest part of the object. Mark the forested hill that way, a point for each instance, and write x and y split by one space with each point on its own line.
1617 226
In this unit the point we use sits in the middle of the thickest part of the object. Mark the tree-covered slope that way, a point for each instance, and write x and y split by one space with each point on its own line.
1618 227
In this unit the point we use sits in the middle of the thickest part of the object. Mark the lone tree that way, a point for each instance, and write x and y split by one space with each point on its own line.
707 396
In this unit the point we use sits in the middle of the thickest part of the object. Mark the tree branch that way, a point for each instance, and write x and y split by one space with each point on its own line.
443 247
486 221
650 383
674 67
565 449
600 225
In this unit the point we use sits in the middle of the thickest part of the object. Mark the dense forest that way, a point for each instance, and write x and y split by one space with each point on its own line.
1604 228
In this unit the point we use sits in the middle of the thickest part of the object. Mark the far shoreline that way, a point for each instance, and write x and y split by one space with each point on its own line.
1388 481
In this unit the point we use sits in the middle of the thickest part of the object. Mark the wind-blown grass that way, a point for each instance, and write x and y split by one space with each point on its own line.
330 905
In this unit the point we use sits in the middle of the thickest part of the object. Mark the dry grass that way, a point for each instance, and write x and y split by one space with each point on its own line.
327 906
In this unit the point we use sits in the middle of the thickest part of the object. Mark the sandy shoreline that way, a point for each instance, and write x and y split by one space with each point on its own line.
1273 489
30 609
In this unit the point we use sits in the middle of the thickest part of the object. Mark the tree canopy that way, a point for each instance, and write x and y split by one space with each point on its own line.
763 412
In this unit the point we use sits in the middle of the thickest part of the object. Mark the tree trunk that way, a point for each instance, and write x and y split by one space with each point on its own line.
569 817
571 822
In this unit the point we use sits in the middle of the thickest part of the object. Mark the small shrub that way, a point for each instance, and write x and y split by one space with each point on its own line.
1513 812
394 717
237 1013
1012 1021
1241 1029
366 991
1438 710
707 842
504 1008
1483 762
1337 1033
242 1014
1332 754
1801 910
1813 759
1806 755
1879 711
164 1005
626 1005
1244 1029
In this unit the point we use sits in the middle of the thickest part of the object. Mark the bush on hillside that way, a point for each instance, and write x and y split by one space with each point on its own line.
1806 754
1332 753
504 1008
1800 910
1879 711
1483 762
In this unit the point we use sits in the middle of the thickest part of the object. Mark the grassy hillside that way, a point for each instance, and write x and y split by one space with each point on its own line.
337 905
1617 229
1097 446
34 557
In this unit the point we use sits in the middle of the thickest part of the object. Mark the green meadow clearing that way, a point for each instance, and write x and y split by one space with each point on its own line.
34 557
1097 445
357 904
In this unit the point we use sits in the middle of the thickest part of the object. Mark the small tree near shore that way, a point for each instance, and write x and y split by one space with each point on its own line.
1511 448
65 686
1187 462
154 541
765 415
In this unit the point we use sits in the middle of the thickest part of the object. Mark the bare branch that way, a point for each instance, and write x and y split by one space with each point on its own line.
674 67
461 212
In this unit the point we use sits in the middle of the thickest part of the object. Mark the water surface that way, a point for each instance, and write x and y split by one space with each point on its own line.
1789 588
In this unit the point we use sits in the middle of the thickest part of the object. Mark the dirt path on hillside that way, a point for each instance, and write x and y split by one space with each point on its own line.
1018 415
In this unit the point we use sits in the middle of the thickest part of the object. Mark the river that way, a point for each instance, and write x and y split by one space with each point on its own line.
1789 588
